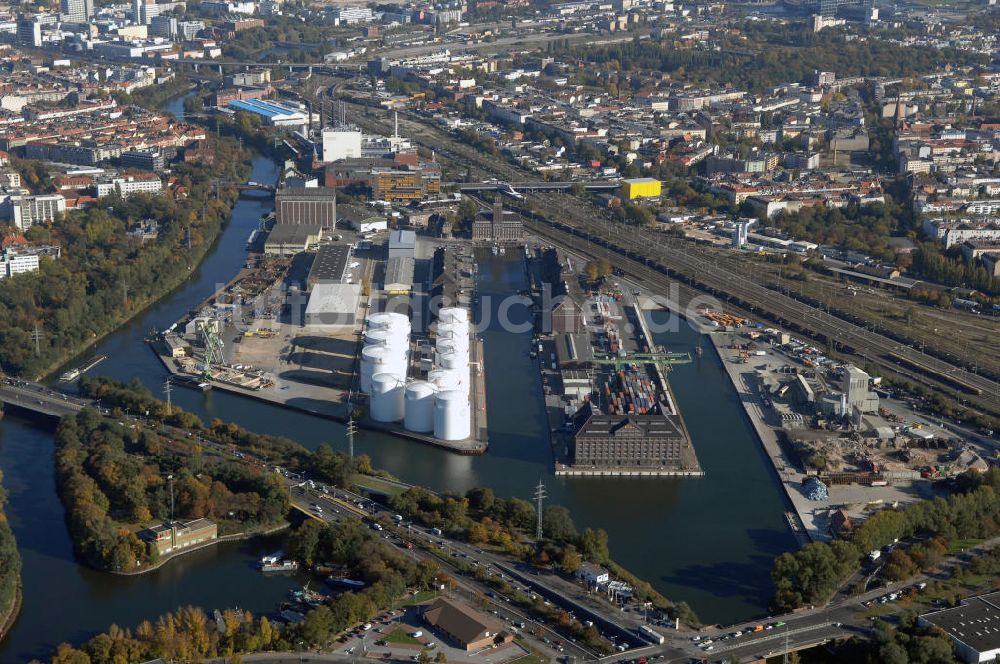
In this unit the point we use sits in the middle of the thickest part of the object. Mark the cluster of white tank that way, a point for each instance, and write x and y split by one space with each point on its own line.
384 361
438 405
451 415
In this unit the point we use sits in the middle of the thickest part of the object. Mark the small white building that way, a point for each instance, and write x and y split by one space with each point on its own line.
593 575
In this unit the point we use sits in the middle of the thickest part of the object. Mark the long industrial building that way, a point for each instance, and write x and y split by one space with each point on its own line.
306 205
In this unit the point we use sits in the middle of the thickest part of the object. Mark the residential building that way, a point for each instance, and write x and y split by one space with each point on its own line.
467 627
163 26
126 185
149 160
29 32
24 211
76 11
172 536
188 30
13 263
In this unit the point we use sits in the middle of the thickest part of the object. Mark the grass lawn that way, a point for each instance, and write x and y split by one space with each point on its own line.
964 544
419 598
400 637
376 485
532 658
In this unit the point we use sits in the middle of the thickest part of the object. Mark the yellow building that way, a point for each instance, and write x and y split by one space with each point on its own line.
641 188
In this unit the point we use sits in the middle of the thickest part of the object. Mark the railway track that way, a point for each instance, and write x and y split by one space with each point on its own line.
653 261
700 273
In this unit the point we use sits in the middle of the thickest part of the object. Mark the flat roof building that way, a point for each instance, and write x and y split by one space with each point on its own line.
333 304
173 535
974 627
288 240
329 265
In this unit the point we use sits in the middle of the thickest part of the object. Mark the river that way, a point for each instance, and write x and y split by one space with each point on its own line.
707 541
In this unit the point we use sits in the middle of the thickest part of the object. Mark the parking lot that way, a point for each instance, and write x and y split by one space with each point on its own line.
394 637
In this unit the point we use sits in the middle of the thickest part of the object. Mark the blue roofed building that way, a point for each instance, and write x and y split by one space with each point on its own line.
272 113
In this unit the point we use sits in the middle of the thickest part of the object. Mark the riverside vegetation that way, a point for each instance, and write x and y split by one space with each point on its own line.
10 564
94 450
77 298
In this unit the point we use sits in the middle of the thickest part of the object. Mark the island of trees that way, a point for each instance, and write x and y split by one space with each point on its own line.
115 479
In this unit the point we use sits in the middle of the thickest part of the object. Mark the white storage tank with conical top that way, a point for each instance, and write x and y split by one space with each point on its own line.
452 415
419 406
387 397
453 314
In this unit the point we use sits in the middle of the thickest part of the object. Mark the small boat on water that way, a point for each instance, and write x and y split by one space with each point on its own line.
188 380
275 563
73 374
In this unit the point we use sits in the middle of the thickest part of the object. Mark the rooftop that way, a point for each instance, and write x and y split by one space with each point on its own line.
976 623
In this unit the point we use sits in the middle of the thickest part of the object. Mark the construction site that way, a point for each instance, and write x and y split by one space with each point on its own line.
840 441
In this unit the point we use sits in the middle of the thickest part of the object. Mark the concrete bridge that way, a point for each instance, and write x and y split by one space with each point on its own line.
39 400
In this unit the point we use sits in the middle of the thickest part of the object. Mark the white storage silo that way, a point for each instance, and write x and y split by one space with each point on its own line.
453 359
452 415
457 329
453 314
385 337
380 359
456 345
419 406
385 320
387 397
444 379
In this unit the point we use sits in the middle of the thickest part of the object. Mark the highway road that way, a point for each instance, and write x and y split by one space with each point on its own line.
39 398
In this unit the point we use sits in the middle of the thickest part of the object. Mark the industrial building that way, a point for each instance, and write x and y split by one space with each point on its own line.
333 304
974 627
497 225
306 205
329 265
173 535
340 143
272 113
398 276
288 240
641 188
650 440
402 244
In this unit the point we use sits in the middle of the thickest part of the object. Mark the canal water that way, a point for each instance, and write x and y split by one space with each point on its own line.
707 541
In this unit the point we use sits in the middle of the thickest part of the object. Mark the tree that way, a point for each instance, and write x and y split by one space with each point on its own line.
557 525
571 560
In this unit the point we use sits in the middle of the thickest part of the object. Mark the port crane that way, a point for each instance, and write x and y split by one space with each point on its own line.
642 358
209 331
